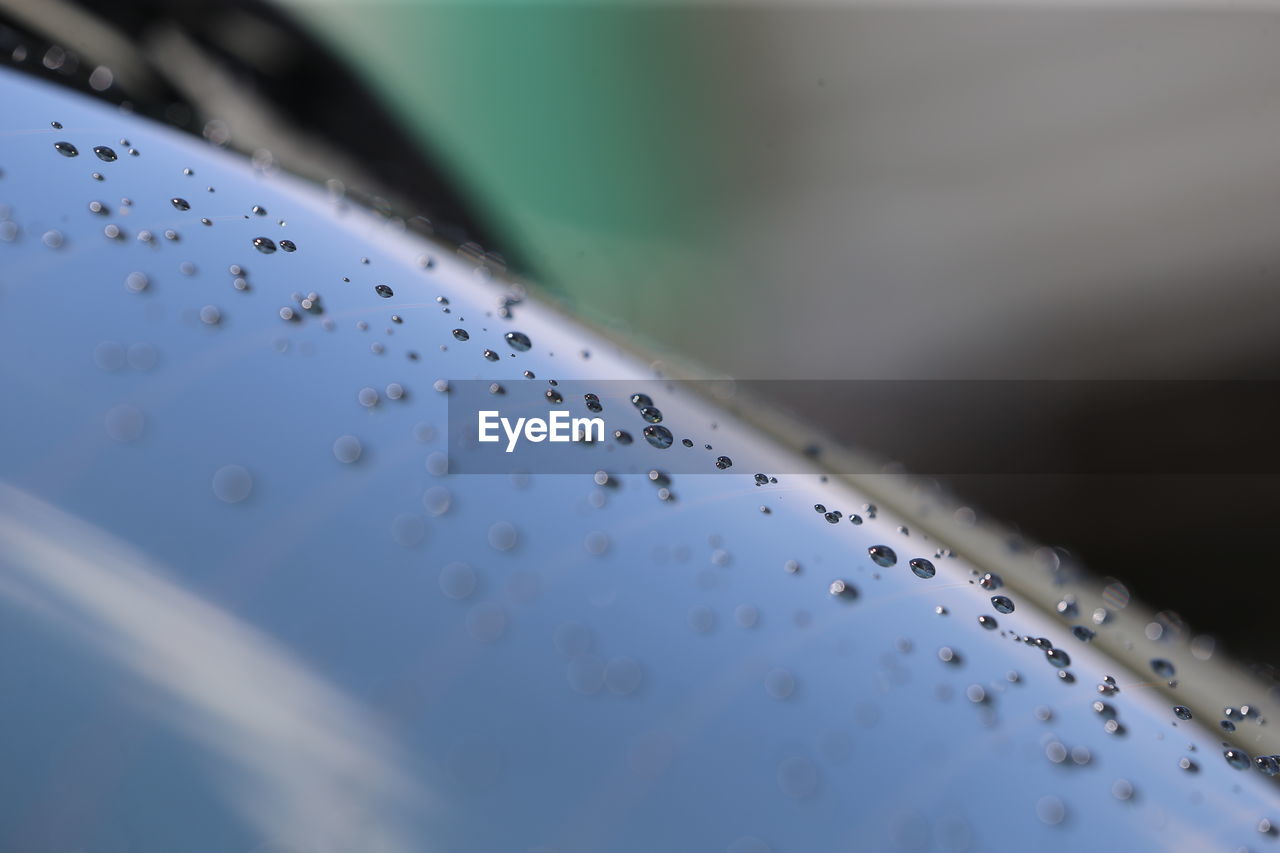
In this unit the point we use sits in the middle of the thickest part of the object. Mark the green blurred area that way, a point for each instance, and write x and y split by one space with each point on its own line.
584 132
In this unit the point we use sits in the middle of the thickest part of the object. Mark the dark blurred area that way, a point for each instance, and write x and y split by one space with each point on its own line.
931 193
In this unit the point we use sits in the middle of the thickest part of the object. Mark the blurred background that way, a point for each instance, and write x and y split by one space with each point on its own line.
1029 190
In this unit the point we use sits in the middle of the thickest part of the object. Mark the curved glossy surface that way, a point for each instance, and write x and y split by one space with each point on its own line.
245 610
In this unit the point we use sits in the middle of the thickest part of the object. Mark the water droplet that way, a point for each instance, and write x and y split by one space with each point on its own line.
640 401
104 153
125 423
1082 633
1237 758
1002 603
723 462
990 581
458 580
882 555
988 622
461 334
503 536
265 245
384 291
1051 811
210 315
622 436
232 484
650 414
490 355
659 436
1182 712
259 210
518 341
1057 657
922 568
180 203
66 149
780 683
1162 668
367 397
1267 765
843 589
347 449
288 246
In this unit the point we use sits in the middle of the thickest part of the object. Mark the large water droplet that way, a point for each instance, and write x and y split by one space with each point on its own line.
384 291
180 203
1182 712
1057 657
922 568
66 149
659 436
265 245
1237 758
518 341
882 555
1002 603
104 153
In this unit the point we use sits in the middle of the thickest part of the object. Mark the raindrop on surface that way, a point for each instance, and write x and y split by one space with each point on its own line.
623 675
1002 603
1267 765
1057 657
125 423
1227 725
650 414
990 581
384 291
265 245
724 462
104 153
288 246
1182 712
367 397
180 203
66 149
622 436
1051 811
232 484
1162 668
988 622
490 355
640 401
922 568
1237 758
832 517
347 449
1082 633
842 589
457 580
1067 606
210 315
882 555
659 436
518 341
780 684
503 535
53 239
260 211
461 334
592 402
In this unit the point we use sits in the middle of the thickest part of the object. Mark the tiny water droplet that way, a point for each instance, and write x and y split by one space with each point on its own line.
180 203
1002 603
384 291
265 245
104 153
66 149
461 334
288 246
